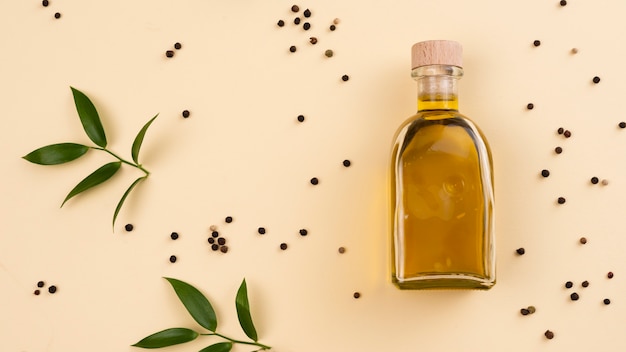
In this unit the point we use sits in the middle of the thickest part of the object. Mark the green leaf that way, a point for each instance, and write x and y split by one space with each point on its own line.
89 118
139 140
243 311
218 347
119 205
197 305
97 177
167 337
55 154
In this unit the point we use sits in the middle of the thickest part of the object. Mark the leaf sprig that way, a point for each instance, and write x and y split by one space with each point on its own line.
202 312
61 153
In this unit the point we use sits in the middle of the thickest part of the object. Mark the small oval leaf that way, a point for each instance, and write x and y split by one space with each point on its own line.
55 154
97 177
196 303
121 202
218 347
243 311
89 118
139 140
167 337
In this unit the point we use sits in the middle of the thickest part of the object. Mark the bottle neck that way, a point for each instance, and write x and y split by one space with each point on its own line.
436 87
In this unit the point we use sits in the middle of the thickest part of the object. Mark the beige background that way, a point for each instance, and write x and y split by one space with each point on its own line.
242 153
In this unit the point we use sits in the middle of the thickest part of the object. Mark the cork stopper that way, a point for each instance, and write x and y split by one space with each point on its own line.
437 52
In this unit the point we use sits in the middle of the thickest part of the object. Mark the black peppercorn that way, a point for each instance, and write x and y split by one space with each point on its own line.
295 8
622 124
313 40
224 249
306 26
307 13
574 296
561 200
332 27
585 283
520 251
211 240
57 15
347 163
549 334
215 246
221 241
328 53
560 130
296 20
524 311
261 230
174 235
228 219
583 240
345 78
596 80
303 232
567 134
41 284
536 43
342 250
530 106
563 2
36 292
301 118
186 113
292 48
606 301
609 275
558 150
177 46
280 23
169 53
283 246
129 227
545 173
215 234
45 3
595 180
315 181
569 284
173 259
52 289
357 295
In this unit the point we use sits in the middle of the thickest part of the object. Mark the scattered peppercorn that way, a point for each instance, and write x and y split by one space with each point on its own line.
574 296
169 53
173 259
211 240
52 289
177 46
347 163
315 181
215 246
129 227
332 27
307 13
537 43
357 295
342 250
186 113
605 182
336 21
567 133
563 2
296 20
295 8
283 246
215 234
585 283
301 118
595 180
37 292
224 249
328 53
524 311
45 3
561 200
212 228
607 301
596 80
345 78
531 309
622 124
229 219
569 284
292 48
520 251
221 241
57 15
530 106
261 230
313 40
583 240
41 284
545 173
560 130
306 26
609 275
280 23
574 51
558 150
303 232
549 334
174 235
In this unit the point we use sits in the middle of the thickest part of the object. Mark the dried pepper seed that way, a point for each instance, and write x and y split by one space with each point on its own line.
41 284
560 130
605 182
347 163
549 334
563 2
301 118
37 292
283 246
296 20
594 180
524 311
342 250
530 106
169 53
315 181
186 113
313 40
596 80
537 43
45 3
574 51
173 259
609 275
215 246
229 219
292 48
574 296
261 230
224 249
583 240
569 284
280 23
295 8
558 150
306 26
622 124
177 46
585 283
212 228
174 235
345 78
303 232
545 173
561 200
211 240
357 295
52 289
328 53
332 27
57 15
336 21
129 227
221 241
520 251
531 309
307 13
606 301
567 133
215 234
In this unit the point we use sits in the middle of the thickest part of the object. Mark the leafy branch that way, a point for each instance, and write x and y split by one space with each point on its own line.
202 312
61 153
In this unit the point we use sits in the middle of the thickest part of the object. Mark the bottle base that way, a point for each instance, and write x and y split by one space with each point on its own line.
444 282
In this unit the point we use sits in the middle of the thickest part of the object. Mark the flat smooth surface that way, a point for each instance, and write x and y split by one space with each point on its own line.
242 153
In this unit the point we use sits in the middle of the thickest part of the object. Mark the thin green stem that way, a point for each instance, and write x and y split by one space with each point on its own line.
124 161
263 347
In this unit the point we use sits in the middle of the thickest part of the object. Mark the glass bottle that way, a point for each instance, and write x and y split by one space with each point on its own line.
442 220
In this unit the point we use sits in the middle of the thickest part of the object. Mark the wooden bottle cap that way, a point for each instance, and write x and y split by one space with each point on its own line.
437 52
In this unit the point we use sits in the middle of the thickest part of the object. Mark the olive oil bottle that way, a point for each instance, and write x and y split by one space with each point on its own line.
441 179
